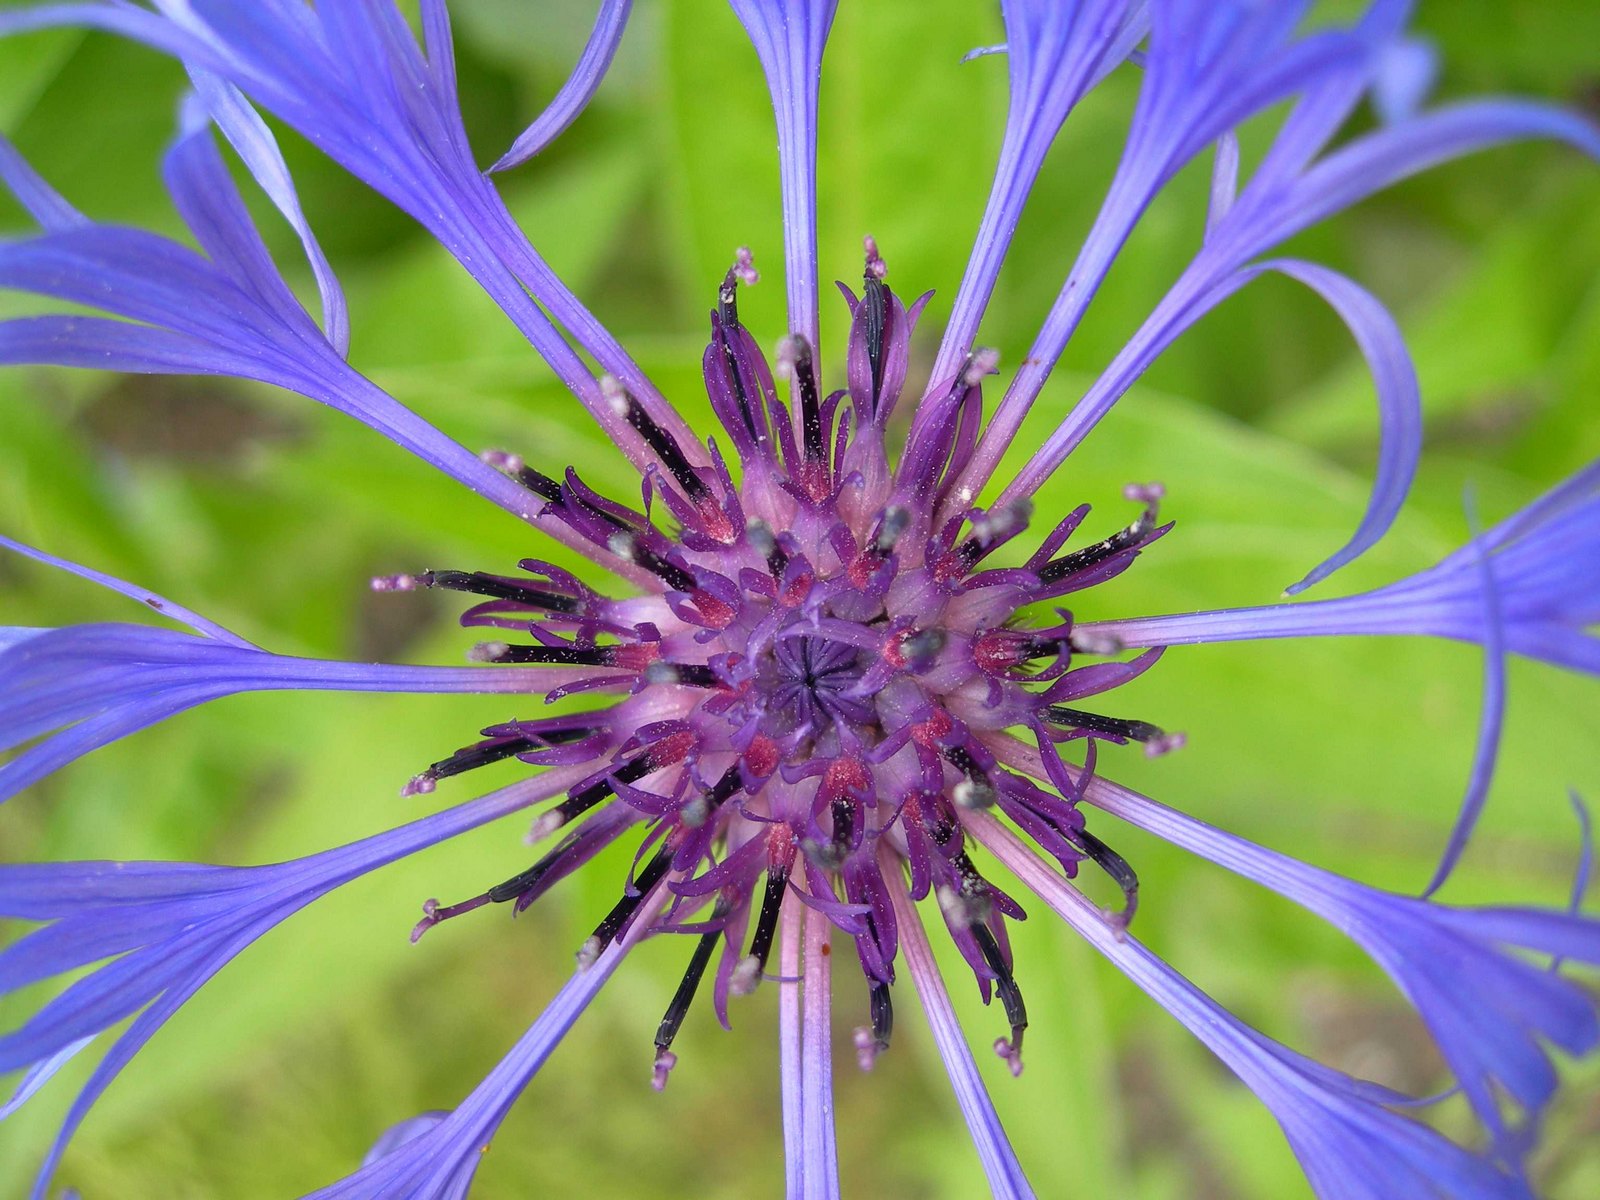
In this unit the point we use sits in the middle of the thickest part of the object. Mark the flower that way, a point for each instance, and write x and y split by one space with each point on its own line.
802 689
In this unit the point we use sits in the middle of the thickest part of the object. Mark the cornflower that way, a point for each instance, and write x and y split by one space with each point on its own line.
828 693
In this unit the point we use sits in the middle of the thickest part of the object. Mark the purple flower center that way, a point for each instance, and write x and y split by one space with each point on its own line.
822 671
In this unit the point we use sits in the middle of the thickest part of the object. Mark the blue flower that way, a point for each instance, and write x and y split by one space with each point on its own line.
828 690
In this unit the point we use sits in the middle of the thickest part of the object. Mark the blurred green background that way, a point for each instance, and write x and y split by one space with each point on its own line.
269 514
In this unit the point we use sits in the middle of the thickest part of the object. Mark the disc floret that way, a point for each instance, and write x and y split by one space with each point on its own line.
818 680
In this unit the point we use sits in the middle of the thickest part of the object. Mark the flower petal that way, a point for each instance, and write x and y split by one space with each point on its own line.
579 88
99 683
789 36
1350 1145
437 1163
1546 563
1056 52
249 135
1000 1164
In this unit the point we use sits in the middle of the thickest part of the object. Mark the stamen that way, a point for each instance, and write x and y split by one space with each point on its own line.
805 383
499 588
1092 556
1114 865
678 1009
749 971
469 758
514 466
567 656
1076 718
1010 997
611 927
666 448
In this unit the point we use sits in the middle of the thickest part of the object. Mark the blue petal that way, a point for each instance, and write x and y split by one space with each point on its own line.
789 36
39 1075
1490 723
256 146
133 591
1056 51
107 681
42 201
1489 1010
579 88
1351 1145
1399 403
436 1163
1546 563
140 276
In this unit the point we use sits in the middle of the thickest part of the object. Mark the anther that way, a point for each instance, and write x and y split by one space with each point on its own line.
581 801
611 927
1092 556
678 1008
993 529
1010 998
673 576
701 809
870 1043
875 307
479 584
664 445
844 829
564 655
805 384
748 973
469 758
514 466
882 1008
1114 865
1119 727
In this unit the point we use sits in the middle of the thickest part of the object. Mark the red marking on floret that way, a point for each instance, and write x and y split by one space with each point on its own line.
761 756
636 657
